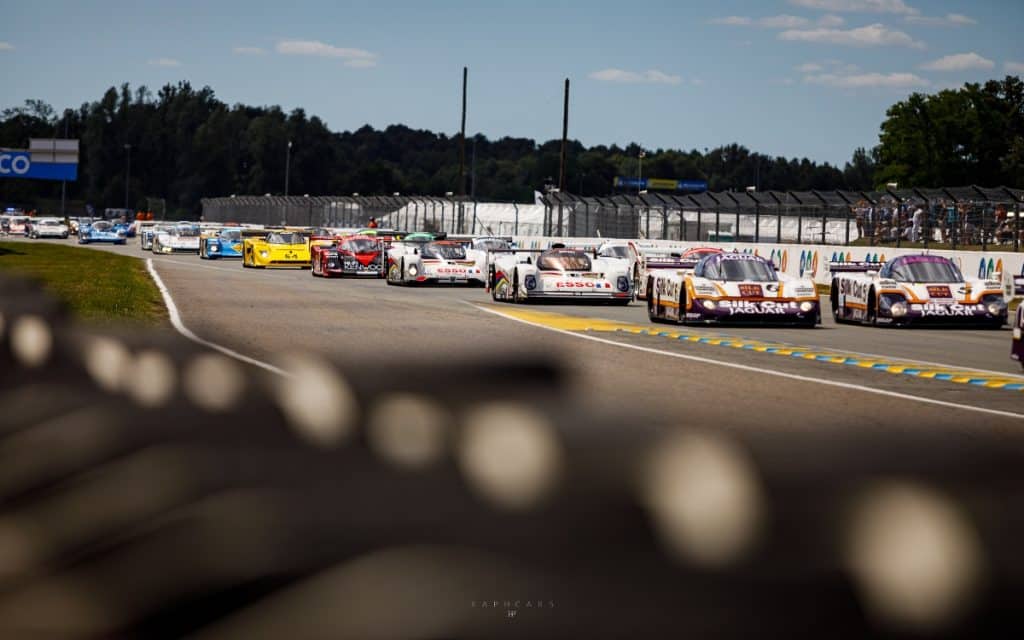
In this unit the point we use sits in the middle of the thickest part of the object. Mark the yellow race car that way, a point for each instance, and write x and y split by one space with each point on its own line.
276 249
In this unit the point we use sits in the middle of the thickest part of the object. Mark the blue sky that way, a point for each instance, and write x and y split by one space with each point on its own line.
805 78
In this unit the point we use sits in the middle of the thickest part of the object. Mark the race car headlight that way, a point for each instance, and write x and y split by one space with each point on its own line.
898 309
213 248
264 254
412 270
622 283
531 282
807 306
996 307
709 305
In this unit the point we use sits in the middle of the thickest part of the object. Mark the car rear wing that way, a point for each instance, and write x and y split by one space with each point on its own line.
670 263
853 267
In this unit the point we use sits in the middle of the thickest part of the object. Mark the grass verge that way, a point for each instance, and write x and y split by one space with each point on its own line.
97 286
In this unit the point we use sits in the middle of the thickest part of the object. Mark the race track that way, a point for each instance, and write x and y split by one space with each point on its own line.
836 377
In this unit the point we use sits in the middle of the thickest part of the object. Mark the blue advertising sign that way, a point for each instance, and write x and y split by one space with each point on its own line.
19 164
660 184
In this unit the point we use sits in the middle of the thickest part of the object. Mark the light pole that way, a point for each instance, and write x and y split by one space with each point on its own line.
64 183
287 167
640 172
127 173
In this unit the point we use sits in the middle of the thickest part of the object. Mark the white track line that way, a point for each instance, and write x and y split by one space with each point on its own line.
172 310
743 367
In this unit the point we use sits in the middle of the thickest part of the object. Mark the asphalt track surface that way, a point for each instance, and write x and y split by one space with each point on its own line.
758 380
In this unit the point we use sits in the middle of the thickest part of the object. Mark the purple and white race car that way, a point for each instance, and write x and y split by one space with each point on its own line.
732 287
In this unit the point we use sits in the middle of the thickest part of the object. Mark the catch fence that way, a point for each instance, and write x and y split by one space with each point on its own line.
948 218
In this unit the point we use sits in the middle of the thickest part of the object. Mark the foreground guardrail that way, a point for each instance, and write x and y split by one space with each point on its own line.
154 488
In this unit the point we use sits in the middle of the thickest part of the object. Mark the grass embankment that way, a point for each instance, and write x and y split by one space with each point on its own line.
97 286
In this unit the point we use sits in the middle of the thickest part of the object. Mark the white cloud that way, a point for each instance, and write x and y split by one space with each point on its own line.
733 21
809 67
831 21
1013 67
949 20
357 58
959 62
164 62
868 80
858 6
768 22
874 35
652 76
6 46
248 51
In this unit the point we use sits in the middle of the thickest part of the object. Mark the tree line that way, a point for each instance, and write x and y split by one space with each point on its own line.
186 144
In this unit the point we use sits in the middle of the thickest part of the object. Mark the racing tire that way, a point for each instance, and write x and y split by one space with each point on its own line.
515 286
651 310
871 317
83 241
833 298
391 277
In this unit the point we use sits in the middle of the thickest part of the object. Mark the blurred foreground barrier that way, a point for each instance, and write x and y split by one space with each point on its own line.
150 488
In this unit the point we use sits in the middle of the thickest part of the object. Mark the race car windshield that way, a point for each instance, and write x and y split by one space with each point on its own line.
615 252
446 251
185 232
362 245
931 271
284 238
101 226
231 236
48 223
490 245
564 261
745 270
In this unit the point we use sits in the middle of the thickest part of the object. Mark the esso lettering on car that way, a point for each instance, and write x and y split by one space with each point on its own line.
14 164
570 285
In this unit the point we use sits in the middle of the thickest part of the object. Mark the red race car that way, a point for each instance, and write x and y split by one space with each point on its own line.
361 256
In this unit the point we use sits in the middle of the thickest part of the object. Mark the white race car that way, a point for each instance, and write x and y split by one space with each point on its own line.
48 228
179 238
914 289
438 261
559 273
732 287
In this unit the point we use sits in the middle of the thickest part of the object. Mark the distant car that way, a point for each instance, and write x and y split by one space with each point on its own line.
18 226
438 261
276 249
361 256
653 260
220 243
129 228
147 233
100 231
181 238
48 228
914 289
559 273
732 287
1017 346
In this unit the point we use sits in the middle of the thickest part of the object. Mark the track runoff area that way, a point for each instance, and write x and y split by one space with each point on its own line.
835 376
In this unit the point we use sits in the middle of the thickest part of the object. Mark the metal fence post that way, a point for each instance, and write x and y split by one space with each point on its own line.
718 225
984 232
778 223
824 225
757 222
800 226
1016 224
847 241
516 207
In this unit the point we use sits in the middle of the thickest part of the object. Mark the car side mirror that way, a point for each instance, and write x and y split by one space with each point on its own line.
415 252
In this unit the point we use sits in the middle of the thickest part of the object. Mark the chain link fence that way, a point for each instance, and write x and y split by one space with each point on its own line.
949 218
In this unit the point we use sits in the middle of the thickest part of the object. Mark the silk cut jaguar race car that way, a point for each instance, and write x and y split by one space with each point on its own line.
732 287
655 260
48 228
360 256
558 273
276 249
438 261
100 231
914 289
220 243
